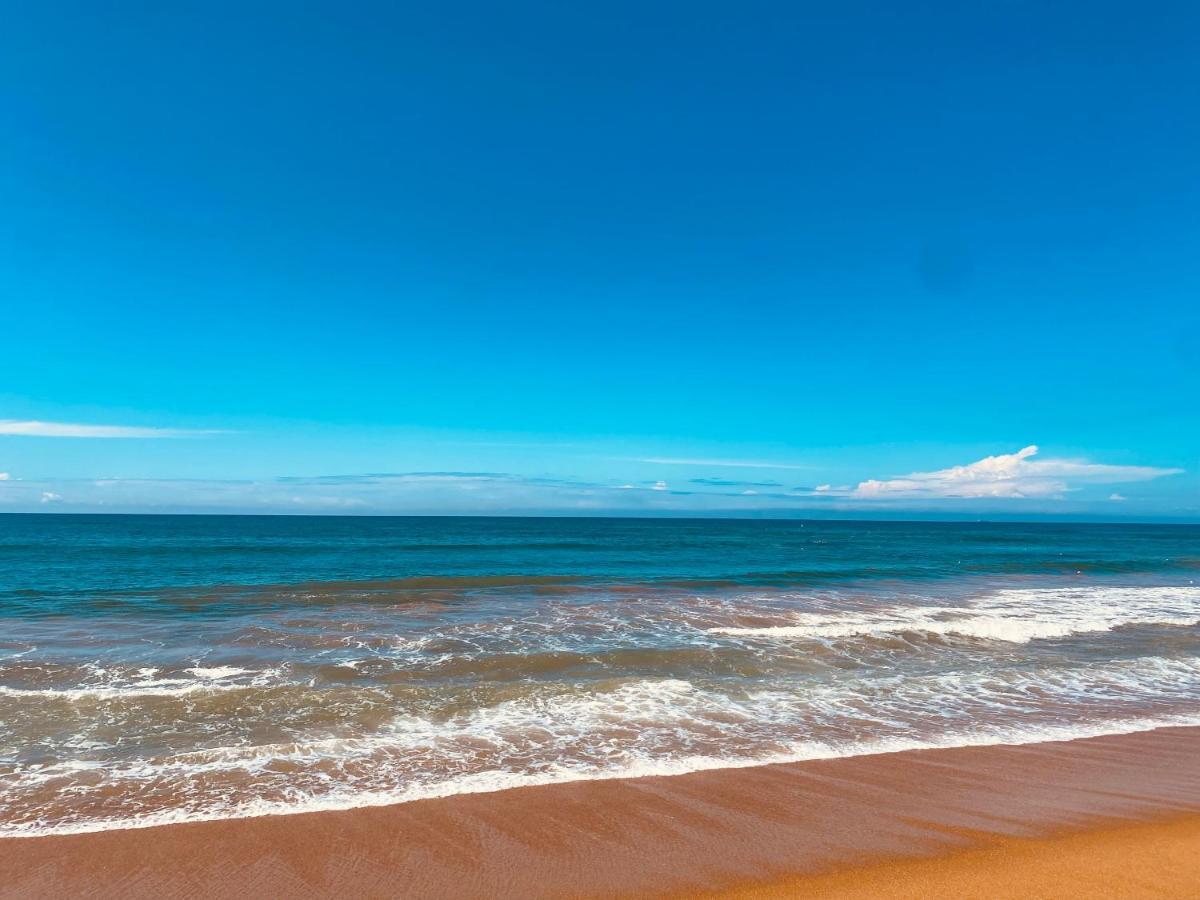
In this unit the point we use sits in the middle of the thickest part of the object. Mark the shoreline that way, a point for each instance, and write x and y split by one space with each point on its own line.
520 782
737 830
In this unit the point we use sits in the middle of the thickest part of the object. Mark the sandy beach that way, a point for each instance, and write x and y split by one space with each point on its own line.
1111 816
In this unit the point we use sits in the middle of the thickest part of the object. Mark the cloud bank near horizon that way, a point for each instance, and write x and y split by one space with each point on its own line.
1009 482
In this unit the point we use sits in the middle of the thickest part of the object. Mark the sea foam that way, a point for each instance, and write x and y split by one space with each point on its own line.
1015 615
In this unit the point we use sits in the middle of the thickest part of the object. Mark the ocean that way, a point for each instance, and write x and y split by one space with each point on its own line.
159 669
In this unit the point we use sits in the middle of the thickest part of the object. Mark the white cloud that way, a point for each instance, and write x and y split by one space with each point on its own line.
51 497
4 476
1006 475
33 428
1115 496
719 463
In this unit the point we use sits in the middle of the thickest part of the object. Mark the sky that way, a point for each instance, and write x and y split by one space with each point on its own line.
858 259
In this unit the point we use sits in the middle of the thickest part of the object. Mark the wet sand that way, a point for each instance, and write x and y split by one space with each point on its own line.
1034 820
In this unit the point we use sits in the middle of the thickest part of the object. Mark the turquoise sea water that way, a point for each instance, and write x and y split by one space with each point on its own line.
160 668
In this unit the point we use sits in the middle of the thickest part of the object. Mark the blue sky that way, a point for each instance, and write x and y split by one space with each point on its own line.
643 257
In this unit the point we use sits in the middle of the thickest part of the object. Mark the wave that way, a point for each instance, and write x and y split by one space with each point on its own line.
1015 616
220 600
620 730
490 782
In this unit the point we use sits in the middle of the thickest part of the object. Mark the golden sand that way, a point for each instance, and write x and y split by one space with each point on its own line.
1146 859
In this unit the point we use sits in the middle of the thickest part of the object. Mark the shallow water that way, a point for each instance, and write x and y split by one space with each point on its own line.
159 669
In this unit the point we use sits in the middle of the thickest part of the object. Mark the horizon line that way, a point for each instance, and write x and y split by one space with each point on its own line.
1049 518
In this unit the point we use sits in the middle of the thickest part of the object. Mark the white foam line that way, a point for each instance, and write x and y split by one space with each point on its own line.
491 782
160 687
996 628
1013 616
217 672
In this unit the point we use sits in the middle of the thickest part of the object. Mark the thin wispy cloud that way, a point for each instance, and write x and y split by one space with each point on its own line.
716 463
35 428
730 482
1008 475
395 477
